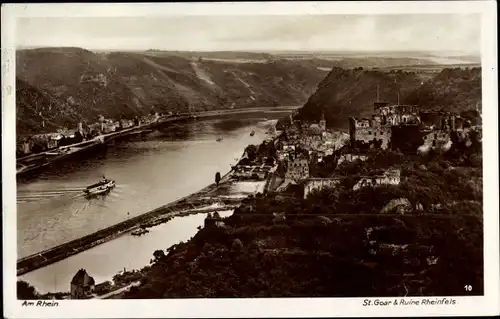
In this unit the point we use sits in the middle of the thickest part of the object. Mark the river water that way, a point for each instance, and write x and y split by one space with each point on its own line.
151 171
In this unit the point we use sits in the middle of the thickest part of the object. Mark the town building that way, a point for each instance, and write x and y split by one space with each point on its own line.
285 151
322 122
126 123
258 172
108 127
82 285
317 184
351 157
24 146
297 168
390 177
311 142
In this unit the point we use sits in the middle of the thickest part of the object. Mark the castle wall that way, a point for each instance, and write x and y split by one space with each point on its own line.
369 135
406 138
439 140
441 120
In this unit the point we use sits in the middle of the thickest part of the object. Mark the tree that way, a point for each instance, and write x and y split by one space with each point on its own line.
158 255
217 178
251 151
237 245
25 291
78 137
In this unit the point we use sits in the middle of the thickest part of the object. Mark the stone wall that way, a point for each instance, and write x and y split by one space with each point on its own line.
317 184
368 135
438 140
391 177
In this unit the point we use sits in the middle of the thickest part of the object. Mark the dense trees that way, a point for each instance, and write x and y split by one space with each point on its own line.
264 150
25 291
456 90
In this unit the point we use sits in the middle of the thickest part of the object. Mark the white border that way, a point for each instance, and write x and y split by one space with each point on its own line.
276 307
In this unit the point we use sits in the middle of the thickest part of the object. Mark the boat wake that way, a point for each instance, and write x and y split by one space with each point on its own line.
35 196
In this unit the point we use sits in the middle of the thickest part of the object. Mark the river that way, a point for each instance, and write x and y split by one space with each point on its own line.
151 171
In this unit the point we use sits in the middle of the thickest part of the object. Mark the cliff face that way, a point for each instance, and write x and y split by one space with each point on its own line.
86 84
351 92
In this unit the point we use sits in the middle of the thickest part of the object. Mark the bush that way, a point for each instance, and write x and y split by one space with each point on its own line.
25 291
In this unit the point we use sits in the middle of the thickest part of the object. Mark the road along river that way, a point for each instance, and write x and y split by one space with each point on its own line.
150 172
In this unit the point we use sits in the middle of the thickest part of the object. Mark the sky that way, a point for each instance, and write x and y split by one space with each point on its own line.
423 32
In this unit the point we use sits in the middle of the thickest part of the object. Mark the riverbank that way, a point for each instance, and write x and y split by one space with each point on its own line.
36 162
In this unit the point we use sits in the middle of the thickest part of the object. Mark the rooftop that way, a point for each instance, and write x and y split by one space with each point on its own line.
81 278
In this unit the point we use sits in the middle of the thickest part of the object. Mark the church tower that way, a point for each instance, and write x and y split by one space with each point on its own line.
322 122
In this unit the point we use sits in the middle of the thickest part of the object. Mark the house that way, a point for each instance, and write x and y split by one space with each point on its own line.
25 146
315 129
82 285
298 169
349 157
390 177
126 123
108 127
317 184
53 141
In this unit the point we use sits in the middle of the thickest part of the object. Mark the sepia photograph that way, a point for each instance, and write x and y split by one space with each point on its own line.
241 156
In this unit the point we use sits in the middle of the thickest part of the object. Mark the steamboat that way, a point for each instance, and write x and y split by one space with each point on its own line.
102 187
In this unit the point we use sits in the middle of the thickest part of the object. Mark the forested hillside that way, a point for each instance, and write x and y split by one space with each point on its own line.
351 92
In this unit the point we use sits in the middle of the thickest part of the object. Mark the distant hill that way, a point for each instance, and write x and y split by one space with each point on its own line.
86 84
378 62
213 54
351 92
72 84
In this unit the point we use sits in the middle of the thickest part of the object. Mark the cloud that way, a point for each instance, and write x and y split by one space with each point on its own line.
307 32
